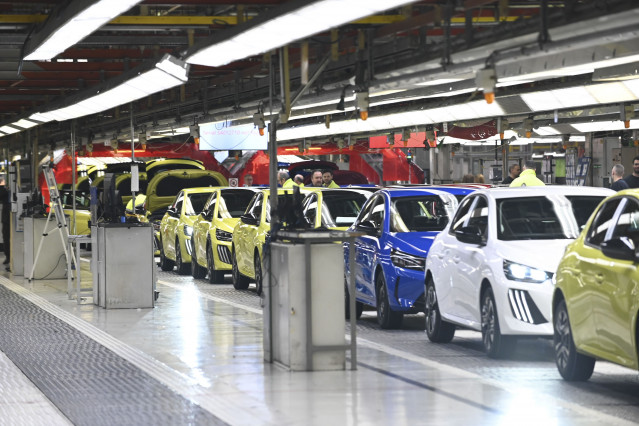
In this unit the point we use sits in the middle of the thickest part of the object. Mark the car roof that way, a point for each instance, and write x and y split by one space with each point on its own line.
535 191
413 192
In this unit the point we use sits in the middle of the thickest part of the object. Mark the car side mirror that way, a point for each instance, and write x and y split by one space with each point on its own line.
367 227
619 248
470 235
248 219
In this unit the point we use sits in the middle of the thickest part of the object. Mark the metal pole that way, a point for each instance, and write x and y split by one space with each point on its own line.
73 175
132 158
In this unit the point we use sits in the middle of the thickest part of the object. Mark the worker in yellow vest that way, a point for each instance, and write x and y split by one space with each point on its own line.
327 179
528 176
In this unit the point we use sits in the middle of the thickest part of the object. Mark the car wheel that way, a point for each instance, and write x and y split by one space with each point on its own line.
240 282
165 264
572 365
215 276
437 330
386 317
258 274
182 268
496 345
196 270
359 306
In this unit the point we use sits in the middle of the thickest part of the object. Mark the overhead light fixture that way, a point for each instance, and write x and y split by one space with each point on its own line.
486 80
76 21
282 25
165 74
361 98
8 130
258 121
24 123
627 113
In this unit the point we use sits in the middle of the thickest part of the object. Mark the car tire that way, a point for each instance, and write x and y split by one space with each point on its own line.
572 365
386 318
165 264
259 280
359 306
215 276
197 271
496 345
240 282
182 268
437 330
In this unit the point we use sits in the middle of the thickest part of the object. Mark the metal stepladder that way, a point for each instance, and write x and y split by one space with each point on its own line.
55 208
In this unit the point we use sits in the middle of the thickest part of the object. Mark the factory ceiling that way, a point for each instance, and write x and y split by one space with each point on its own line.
549 63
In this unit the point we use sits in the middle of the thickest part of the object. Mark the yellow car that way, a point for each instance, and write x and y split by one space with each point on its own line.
596 299
82 212
337 208
249 236
176 228
157 165
213 229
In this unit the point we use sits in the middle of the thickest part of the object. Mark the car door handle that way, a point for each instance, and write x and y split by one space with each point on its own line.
599 278
456 259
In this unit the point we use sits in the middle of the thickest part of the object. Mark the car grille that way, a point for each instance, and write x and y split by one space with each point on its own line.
224 254
524 308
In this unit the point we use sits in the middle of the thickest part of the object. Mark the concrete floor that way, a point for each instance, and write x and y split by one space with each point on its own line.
204 342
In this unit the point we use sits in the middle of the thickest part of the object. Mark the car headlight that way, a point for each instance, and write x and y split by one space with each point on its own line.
188 230
223 235
518 272
404 260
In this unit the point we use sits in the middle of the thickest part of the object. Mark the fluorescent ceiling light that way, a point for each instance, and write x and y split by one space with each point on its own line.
439 81
547 131
24 123
313 18
77 26
608 93
633 86
40 117
167 73
602 126
8 130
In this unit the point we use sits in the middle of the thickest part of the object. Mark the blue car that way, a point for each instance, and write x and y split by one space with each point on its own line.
400 225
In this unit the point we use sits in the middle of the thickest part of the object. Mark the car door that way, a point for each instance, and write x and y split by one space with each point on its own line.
468 260
614 294
170 228
444 265
588 274
250 235
202 227
367 248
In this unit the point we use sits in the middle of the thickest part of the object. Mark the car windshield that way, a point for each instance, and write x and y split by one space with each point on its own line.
422 213
341 207
194 203
82 200
543 218
233 203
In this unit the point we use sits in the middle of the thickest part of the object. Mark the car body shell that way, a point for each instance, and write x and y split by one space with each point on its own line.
350 203
373 253
601 290
180 216
249 238
214 226
462 270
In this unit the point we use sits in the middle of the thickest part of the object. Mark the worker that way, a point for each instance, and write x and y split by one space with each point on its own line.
513 173
528 176
284 180
618 183
327 179
316 179
299 180
248 180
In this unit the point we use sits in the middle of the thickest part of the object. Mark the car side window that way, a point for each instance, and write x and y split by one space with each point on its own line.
210 208
462 214
177 204
628 222
366 210
310 213
602 222
377 213
256 210
479 215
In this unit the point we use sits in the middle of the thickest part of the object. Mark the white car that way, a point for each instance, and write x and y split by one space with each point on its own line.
491 269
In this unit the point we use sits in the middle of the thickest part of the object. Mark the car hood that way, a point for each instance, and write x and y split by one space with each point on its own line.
228 224
417 243
541 254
